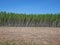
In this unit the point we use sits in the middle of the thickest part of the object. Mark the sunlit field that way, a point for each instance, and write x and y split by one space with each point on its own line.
29 36
29 29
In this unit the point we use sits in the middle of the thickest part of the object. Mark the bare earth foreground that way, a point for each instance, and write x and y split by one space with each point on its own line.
30 35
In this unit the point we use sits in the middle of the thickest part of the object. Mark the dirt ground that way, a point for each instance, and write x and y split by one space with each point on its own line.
42 35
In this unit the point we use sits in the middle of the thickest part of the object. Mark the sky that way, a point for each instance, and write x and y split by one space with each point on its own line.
30 6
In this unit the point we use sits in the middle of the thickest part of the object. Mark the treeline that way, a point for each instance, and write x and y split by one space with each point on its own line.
31 20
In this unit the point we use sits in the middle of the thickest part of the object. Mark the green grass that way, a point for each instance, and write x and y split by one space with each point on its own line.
22 43
24 18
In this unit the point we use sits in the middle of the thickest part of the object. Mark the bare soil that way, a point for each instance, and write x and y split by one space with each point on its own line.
42 35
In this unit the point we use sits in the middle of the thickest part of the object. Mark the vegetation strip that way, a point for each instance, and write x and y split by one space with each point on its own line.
31 20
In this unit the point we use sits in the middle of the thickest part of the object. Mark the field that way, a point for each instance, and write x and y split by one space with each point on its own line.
29 36
29 29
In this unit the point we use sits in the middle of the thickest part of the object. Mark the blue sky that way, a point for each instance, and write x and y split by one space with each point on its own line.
30 6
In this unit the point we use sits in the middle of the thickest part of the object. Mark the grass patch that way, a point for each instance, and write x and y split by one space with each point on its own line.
26 19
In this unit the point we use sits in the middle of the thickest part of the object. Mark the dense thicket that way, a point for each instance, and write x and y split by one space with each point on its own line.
45 20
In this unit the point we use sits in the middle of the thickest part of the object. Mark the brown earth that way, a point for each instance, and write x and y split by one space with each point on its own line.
41 35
